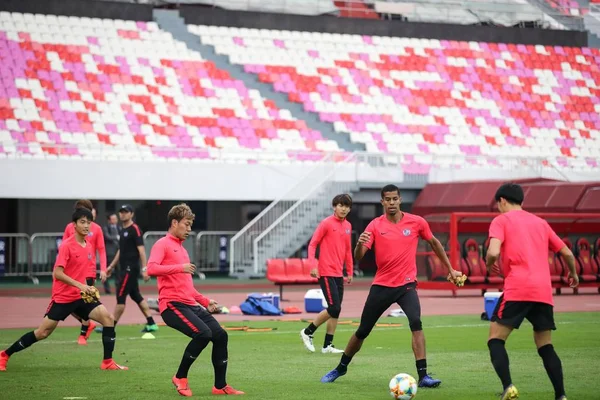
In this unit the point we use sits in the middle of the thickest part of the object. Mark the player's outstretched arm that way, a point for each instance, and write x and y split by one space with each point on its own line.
362 246
492 255
439 251
568 256
59 275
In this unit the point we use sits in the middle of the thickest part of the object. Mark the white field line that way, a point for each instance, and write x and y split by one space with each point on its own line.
295 332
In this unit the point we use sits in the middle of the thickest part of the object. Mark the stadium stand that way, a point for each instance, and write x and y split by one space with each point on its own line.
95 88
432 97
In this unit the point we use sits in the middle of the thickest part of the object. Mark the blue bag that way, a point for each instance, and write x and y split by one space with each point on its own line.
254 306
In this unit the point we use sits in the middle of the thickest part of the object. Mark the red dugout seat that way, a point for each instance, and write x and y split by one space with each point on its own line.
276 271
559 260
583 254
294 270
435 269
307 266
474 262
556 269
597 255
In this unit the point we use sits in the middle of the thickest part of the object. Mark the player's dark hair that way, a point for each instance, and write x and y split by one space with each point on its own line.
342 199
511 192
389 188
179 212
84 203
82 213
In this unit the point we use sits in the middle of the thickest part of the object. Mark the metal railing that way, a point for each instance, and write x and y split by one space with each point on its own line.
213 250
288 232
44 249
14 254
241 243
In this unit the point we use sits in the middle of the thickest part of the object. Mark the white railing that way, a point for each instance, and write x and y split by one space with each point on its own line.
241 243
288 232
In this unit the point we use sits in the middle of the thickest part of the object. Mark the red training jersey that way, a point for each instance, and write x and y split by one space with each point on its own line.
396 248
75 260
333 236
167 258
525 239
96 240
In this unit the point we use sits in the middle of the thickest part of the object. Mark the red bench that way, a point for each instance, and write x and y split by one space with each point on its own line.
290 271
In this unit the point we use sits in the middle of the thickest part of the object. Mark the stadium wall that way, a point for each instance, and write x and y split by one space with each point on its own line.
81 8
199 15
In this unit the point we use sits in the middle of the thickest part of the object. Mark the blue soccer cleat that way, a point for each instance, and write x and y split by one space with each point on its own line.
332 375
429 382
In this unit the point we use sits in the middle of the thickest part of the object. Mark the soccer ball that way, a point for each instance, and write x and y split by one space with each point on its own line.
403 387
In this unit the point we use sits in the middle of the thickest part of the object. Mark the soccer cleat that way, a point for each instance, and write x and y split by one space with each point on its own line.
181 384
332 375
91 327
429 382
111 365
81 340
3 360
150 328
510 393
331 349
226 390
562 397
308 341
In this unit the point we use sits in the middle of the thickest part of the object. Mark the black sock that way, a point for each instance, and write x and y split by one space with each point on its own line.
192 351
24 342
553 368
108 341
84 329
422 368
150 321
310 329
328 340
500 361
219 361
344 361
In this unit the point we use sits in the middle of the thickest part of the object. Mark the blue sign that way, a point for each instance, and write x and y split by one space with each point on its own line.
223 244
2 255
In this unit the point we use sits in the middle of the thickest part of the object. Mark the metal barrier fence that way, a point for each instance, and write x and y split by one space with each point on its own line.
44 248
152 237
14 254
212 250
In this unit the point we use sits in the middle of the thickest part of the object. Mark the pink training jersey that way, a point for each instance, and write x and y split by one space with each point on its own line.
333 236
95 239
166 262
75 260
396 248
525 239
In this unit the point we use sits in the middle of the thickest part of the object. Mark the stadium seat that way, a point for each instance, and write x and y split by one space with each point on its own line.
294 270
597 254
469 99
556 268
583 254
307 266
435 270
276 271
559 260
472 257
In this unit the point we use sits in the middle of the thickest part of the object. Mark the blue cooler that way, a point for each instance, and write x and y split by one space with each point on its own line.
490 301
314 301
268 297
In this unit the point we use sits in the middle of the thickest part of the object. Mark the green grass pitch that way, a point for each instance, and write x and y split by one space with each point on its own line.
275 365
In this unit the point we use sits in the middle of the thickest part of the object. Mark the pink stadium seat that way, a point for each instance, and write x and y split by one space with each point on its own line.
474 262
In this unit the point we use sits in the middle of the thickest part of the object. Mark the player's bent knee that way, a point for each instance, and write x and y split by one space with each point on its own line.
121 301
220 336
415 325
203 335
137 297
362 333
334 311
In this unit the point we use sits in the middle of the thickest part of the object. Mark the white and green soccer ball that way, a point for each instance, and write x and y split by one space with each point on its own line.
403 387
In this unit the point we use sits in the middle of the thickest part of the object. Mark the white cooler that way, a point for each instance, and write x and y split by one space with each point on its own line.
314 301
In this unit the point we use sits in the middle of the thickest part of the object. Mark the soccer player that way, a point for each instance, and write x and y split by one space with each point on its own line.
523 239
131 252
395 236
180 303
68 285
333 236
96 241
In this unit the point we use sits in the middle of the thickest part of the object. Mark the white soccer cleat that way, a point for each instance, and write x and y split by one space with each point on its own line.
308 341
331 349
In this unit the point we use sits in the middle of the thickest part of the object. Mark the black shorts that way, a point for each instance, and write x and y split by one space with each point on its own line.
381 298
512 314
333 290
128 285
190 320
60 311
